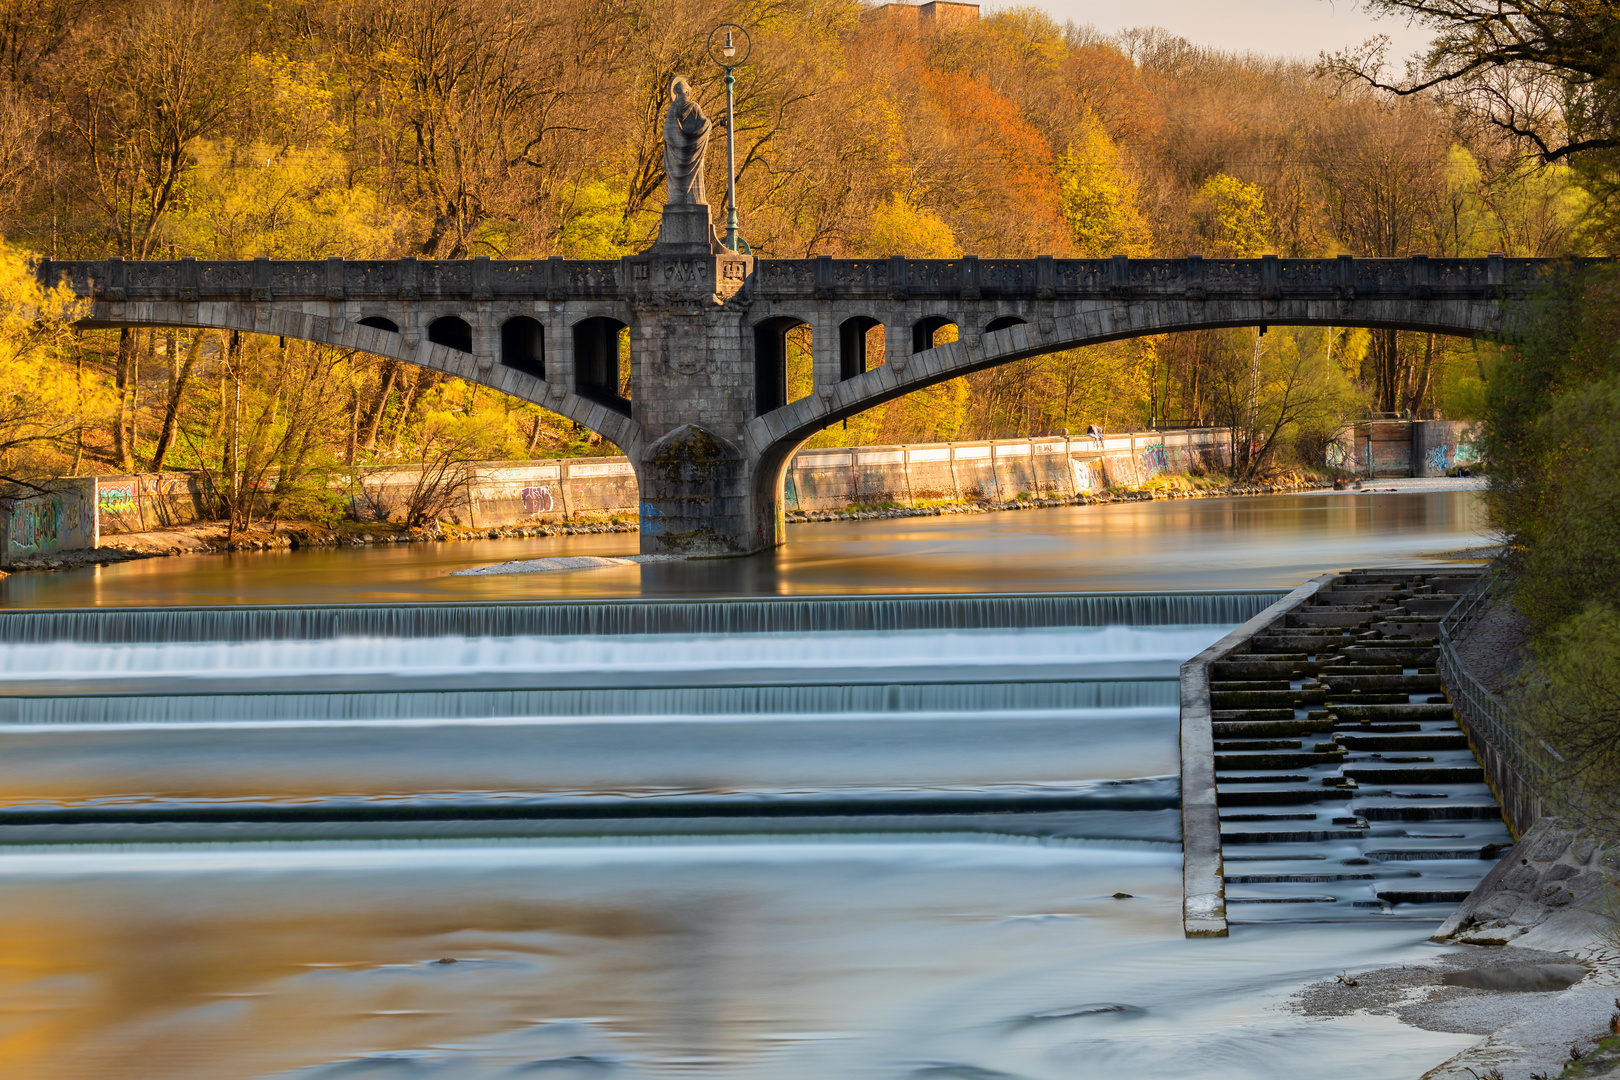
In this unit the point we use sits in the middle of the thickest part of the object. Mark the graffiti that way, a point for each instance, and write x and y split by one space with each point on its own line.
650 525
1155 460
45 524
36 525
536 500
118 499
1441 457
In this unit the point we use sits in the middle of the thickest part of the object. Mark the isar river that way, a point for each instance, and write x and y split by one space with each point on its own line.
903 810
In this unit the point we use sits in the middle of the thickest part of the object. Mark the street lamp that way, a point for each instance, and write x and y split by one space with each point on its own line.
729 46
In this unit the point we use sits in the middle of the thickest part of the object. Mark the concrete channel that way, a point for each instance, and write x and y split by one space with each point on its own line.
1324 774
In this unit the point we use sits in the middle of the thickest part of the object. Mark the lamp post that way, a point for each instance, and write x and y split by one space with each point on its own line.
729 46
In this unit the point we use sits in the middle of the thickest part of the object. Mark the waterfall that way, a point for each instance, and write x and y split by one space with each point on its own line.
569 618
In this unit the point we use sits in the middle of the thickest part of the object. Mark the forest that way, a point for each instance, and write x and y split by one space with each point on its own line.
447 129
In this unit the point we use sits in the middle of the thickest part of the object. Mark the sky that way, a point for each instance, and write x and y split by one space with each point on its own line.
1301 28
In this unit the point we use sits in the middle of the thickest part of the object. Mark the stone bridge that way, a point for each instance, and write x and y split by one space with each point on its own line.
706 419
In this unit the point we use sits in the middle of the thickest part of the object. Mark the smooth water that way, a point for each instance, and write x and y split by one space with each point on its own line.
760 839
1269 542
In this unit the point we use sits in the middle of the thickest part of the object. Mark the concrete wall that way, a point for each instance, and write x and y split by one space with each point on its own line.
1438 446
505 492
1381 448
62 520
995 471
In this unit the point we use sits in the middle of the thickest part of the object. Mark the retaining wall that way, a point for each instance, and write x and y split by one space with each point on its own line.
61 520
1388 448
996 471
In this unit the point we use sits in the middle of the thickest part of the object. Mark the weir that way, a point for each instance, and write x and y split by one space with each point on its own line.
615 617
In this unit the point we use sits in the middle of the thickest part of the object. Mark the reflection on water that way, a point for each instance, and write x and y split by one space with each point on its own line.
772 855
1194 544
896 959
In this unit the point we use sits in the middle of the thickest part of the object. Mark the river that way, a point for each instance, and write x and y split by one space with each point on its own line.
867 843
1178 544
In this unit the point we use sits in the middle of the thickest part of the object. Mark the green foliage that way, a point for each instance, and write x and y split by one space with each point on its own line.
1573 701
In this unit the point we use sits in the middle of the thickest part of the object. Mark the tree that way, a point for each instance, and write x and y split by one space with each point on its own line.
42 401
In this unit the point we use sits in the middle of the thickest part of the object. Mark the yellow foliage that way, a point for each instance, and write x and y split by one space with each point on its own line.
1098 199
252 199
41 399
1231 218
900 228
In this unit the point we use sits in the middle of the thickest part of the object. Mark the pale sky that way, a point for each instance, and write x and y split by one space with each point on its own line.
1301 28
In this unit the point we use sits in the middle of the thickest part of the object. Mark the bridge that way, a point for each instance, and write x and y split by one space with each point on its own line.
707 422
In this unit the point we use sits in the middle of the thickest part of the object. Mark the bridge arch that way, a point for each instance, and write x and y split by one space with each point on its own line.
772 438
400 332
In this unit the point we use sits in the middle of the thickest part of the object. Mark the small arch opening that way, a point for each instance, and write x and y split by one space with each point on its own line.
1002 322
523 346
782 362
377 322
602 362
931 332
858 339
452 332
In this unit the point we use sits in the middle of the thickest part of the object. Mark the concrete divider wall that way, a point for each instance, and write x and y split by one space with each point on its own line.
1380 448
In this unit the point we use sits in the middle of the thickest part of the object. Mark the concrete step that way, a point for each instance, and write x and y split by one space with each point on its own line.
1413 896
1436 774
1304 796
1329 671
1281 899
1356 697
1309 836
1226 715
1305 760
1406 656
1363 711
1227 686
1410 684
1436 741
1257 744
1448 812
1268 778
1291 668
1373 729
1262 818
1488 853
1294 879
1262 699
1237 729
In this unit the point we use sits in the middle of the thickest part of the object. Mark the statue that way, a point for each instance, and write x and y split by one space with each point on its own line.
686 137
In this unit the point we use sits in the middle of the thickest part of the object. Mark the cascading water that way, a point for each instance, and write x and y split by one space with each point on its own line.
933 837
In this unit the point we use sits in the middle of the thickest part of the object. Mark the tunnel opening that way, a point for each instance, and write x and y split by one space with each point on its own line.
452 332
523 346
602 362
1002 322
377 322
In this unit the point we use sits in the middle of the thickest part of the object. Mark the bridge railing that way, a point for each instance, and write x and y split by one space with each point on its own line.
1525 772
896 278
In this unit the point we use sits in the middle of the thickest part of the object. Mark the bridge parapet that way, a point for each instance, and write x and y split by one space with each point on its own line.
967 278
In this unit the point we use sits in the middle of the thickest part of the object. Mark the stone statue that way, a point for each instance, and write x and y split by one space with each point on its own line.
686 137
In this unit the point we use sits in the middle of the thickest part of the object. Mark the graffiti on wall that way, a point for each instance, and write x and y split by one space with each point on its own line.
536 500
1154 459
1445 456
117 498
45 524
